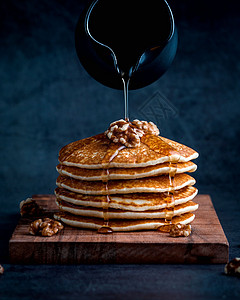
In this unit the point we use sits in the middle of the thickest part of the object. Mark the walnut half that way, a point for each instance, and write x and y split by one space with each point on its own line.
130 133
1 269
146 127
29 207
233 267
178 229
45 227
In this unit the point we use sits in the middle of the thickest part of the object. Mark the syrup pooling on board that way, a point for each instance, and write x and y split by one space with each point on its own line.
112 152
160 146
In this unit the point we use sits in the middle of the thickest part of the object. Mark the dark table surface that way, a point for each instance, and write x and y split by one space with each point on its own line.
48 100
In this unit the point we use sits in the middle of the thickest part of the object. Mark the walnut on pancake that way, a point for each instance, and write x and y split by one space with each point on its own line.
233 267
146 127
130 133
29 207
178 229
45 227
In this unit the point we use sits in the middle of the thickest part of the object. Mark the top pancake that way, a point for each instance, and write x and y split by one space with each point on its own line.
99 152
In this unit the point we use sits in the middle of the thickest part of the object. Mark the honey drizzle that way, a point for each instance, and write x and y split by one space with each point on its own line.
111 153
173 156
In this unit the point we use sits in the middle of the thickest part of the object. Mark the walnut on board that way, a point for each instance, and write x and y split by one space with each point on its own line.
29 207
45 227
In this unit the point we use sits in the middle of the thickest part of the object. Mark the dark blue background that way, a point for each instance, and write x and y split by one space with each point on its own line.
48 100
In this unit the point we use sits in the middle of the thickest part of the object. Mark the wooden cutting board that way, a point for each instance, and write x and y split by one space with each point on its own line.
207 243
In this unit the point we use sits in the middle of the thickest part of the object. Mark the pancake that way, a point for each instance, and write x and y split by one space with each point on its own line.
133 202
144 185
120 225
190 206
121 173
99 152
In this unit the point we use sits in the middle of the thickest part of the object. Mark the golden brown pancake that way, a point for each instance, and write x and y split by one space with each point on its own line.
84 211
99 152
120 225
133 202
121 173
103 183
144 185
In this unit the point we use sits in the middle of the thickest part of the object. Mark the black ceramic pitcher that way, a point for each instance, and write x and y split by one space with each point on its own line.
131 38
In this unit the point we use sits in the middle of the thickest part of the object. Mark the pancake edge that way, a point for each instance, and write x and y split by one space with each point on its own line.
129 165
165 170
125 214
151 225
191 181
117 206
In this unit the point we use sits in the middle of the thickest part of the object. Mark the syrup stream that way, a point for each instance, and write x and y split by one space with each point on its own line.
125 90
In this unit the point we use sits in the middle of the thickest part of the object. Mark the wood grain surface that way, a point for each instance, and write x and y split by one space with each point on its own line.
206 244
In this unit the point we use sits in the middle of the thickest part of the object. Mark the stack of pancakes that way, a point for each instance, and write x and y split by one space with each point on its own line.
108 187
